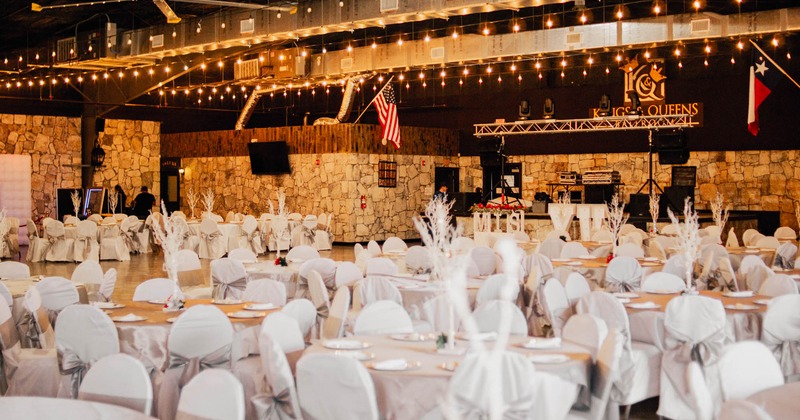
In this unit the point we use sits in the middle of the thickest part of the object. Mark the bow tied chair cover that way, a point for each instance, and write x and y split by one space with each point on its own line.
781 332
190 241
383 317
418 260
59 248
229 278
86 245
325 267
280 402
304 313
335 387
694 332
497 287
491 317
333 325
34 326
14 270
90 274
624 274
57 293
85 334
375 288
604 374
785 256
11 238
347 274
211 240
129 229
280 234
265 291
663 282
251 236
323 238
112 245
319 297
556 305
201 338
747 368
305 233
37 247
587 331
212 394
485 259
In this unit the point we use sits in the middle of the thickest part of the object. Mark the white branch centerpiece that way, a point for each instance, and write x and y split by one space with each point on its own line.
76 201
113 199
192 198
280 223
654 208
208 202
688 235
170 235
616 218
719 211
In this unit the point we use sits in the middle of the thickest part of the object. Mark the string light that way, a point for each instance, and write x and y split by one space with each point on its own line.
516 27
455 34
427 38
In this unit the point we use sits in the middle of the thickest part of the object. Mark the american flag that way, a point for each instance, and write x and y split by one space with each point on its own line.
386 104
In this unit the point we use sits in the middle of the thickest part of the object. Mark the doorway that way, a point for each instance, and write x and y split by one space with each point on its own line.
446 176
171 183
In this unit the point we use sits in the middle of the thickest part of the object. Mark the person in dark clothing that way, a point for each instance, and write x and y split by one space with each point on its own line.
441 193
143 204
122 200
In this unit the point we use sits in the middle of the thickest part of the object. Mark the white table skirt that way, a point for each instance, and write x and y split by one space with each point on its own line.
230 231
268 270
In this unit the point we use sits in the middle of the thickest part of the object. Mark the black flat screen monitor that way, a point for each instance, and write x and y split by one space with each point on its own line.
269 158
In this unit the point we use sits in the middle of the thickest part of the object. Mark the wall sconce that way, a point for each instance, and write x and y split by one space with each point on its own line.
181 171
98 154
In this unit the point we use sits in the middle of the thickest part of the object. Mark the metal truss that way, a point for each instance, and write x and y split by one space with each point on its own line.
623 123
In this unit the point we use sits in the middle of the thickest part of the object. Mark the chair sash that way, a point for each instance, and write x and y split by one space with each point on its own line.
69 363
614 285
87 241
9 343
9 244
309 234
221 289
130 240
783 262
51 240
514 410
269 406
705 353
251 239
787 352
302 287
31 331
210 238
219 358
323 311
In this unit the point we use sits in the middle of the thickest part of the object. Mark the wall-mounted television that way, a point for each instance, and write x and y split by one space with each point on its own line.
269 158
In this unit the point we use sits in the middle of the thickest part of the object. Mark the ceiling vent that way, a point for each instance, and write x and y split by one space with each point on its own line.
574 39
701 26
389 5
437 53
157 41
247 26
346 63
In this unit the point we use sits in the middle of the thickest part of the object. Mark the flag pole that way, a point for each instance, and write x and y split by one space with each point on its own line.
373 100
773 62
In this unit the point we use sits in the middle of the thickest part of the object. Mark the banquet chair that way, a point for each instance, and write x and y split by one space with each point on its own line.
727 276
473 272
230 216
463 243
746 368
785 233
347 273
497 287
119 217
322 221
732 241
86 246
394 244
36 246
85 334
381 267
90 274
112 245
629 249
485 259
756 276
714 232
58 293
573 250
285 331
659 282
244 255
602 235
785 256
382 317
35 329
200 339
778 285
196 283
326 268
585 330
700 396
748 262
280 400
97 218
102 383
14 270
694 331
606 370
748 235
304 312
129 230
489 318
178 214
5 294
70 219
305 233
24 371
669 230
417 260
333 325
633 237
780 332
656 250
357 249
373 248
640 364
250 237
742 410
623 274
323 239
212 394
107 285
436 314
334 387
190 241
296 217
769 242
556 305
576 287
59 248
265 291
228 279
551 247
374 288
212 245
11 248
302 253
319 297
158 289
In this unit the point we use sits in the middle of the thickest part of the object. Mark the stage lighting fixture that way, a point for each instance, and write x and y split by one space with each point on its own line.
549 109
524 110
636 104
605 106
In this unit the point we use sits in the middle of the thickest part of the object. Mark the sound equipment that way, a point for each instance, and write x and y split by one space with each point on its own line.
672 148
549 110
524 110
676 197
574 196
639 205
602 176
684 176
489 159
605 106
463 201
597 194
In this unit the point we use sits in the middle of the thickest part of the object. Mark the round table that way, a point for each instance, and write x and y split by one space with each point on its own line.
416 392
42 408
287 275
416 290
780 402
594 269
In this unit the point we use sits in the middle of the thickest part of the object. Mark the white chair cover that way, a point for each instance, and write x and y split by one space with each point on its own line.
112 245
250 238
86 246
107 285
85 334
11 240
660 282
629 249
383 317
780 332
102 383
200 339
493 313
230 216
334 387
485 259
576 287
97 218
304 312
325 267
228 278
211 240
436 312
178 214
373 248
280 400
35 328
573 250
191 241
393 243
305 233
556 305
14 270
244 255
418 261
747 367
756 276
603 235
742 410
265 291
158 289
357 249
727 275
57 293
655 249
551 248
129 230
700 397
36 246
319 296
347 273
5 294
750 236
284 330
770 242
59 248
497 287
777 285
785 233
302 253
785 256
88 272
333 325
463 243
605 373
623 275
695 332
732 241
585 330
381 266
372 289
212 394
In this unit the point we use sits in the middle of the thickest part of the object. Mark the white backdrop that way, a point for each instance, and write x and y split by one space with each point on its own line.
15 189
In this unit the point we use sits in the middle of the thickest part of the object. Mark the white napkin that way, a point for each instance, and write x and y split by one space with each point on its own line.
129 317
343 344
543 343
260 306
743 293
392 364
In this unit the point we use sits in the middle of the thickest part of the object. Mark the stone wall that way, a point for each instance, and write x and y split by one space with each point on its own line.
327 182
54 144
133 157
749 180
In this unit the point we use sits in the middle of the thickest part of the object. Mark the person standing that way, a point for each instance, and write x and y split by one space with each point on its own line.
441 193
122 199
143 204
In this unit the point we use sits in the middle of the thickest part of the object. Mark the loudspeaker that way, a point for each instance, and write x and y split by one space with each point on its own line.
597 194
672 148
639 205
676 197
489 159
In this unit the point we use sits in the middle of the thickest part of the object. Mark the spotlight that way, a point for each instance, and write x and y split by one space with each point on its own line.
605 106
549 109
524 110
636 104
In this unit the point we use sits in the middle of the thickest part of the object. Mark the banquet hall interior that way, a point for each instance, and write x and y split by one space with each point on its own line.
397 209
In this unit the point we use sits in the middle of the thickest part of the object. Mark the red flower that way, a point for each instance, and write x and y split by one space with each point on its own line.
609 258
278 261
480 205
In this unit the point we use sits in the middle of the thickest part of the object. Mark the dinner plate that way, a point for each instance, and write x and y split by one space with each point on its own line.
358 355
259 306
108 305
741 307
448 366
413 337
128 318
574 263
226 301
586 257
643 305
394 365
345 344
751 251
629 295
741 294
762 301
663 292
246 314
649 264
548 359
542 343
156 302
409 286
559 259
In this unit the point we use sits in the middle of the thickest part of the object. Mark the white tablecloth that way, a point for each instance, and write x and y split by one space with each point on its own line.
416 290
780 402
268 270
229 231
41 408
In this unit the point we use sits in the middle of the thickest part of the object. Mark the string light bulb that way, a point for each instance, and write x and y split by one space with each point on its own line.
516 27
455 34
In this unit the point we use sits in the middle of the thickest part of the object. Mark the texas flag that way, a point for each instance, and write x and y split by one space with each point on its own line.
764 77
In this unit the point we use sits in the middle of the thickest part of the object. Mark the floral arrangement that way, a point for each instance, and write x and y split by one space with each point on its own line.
688 234
616 218
719 211
191 199
654 204
170 235
76 201
495 208
281 261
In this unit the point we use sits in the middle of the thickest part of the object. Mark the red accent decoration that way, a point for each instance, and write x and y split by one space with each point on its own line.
363 201
609 258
